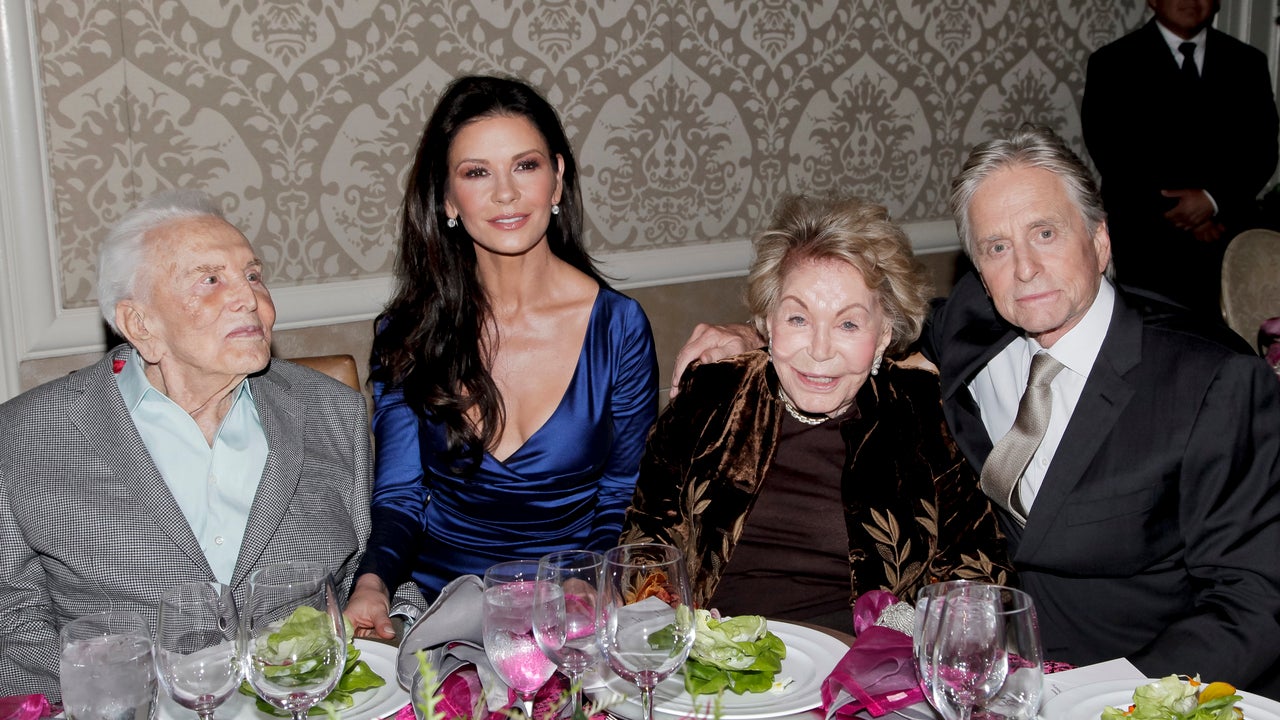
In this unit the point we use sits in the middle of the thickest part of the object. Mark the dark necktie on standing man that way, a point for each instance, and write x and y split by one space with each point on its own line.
1189 70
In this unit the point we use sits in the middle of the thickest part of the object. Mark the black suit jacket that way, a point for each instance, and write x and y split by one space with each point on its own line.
1146 130
1156 531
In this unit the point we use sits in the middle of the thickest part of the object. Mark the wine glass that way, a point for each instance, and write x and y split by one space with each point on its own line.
930 600
509 597
1018 698
969 657
564 616
105 667
644 617
195 649
293 642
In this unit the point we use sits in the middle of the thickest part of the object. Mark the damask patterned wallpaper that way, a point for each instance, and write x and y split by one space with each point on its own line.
691 116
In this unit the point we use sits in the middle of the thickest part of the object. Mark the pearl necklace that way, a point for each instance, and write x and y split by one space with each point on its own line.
800 415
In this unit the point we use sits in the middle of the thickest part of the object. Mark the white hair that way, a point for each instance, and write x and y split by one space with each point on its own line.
120 256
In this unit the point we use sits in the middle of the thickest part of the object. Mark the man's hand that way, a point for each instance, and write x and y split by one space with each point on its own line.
1194 209
710 343
369 608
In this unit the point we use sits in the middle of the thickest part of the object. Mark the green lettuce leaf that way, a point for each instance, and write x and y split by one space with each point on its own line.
1173 698
738 654
304 630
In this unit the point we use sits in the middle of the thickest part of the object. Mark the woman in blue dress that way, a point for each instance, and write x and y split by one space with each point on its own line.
513 389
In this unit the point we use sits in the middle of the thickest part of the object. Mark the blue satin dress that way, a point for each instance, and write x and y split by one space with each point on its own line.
566 488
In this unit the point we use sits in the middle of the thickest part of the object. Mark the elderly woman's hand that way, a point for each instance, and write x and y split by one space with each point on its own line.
369 608
710 343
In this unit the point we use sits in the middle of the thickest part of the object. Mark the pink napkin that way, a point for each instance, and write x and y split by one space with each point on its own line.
461 694
26 707
878 673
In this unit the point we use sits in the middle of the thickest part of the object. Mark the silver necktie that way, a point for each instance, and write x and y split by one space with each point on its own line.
1010 456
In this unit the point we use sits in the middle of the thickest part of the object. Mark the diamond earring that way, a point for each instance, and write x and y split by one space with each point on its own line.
452 222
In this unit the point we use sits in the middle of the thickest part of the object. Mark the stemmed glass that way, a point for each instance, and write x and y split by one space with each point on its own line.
292 638
564 617
509 597
930 601
969 657
644 619
195 648
1019 697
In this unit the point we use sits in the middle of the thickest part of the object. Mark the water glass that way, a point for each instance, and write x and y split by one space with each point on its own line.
106 667
296 599
1020 695
644 619
509 597
930 601
195 647
969 657
564 616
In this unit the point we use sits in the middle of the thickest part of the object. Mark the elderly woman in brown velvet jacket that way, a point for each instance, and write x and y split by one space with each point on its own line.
796 478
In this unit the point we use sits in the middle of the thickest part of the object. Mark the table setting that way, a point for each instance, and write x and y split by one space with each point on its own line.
627 644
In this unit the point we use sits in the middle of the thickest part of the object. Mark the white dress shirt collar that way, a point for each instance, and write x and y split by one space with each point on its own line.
1174 41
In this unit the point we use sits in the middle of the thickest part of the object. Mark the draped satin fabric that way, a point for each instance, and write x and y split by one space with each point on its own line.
567 487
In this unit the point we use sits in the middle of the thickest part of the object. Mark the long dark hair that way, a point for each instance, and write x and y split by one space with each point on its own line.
430 337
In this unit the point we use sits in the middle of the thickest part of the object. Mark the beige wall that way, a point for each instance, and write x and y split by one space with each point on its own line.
691 118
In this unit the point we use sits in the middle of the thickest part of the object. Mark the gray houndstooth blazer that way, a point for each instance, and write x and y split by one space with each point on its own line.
87 523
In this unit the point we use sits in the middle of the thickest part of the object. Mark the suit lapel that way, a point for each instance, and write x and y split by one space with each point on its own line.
100 414
977 335
283 421
1105 395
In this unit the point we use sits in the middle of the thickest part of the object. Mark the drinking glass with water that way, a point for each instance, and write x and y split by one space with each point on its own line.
106 668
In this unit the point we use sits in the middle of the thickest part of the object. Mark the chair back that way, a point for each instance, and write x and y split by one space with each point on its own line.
339 367
1251 282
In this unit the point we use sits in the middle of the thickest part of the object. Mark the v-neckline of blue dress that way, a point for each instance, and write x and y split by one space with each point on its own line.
568 391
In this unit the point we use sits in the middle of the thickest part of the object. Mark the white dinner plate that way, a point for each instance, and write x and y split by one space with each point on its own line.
372 704
811 656
1087 701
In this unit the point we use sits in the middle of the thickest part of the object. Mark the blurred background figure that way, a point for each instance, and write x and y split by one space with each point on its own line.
797 477
513 389
1179 120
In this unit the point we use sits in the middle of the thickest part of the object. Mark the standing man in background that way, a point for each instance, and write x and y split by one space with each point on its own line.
1179 120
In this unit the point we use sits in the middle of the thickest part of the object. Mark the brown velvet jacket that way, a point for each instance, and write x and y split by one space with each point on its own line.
912 505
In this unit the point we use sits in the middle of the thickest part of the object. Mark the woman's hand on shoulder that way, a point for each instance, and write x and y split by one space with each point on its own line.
369 608
711 343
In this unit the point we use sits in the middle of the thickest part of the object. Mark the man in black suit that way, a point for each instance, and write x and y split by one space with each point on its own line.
1180 121
1152 504
1147 521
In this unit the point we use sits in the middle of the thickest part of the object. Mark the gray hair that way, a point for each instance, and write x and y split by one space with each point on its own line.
1030 146
121 254
851 230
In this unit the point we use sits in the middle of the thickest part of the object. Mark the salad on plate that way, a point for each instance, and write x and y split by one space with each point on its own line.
738 654
301 629
1179 698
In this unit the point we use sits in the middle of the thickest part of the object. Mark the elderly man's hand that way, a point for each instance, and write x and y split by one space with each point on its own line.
1194 208
369 608
710 343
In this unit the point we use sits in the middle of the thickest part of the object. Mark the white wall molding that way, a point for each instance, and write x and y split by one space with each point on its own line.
30 320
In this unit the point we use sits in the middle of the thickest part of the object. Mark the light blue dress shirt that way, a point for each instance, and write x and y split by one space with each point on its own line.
214 485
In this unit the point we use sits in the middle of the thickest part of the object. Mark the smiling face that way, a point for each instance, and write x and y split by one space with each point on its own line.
201 312
502 183
825 333
1038 261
